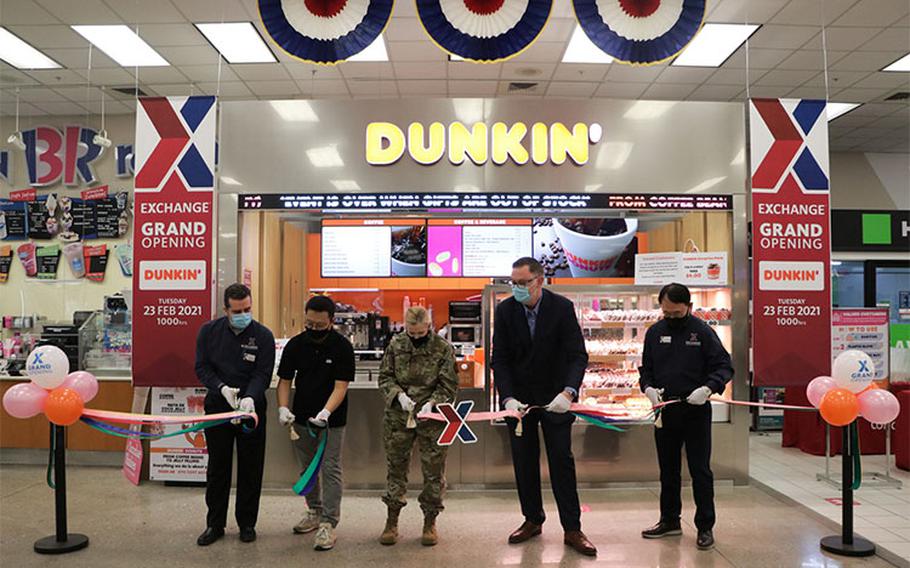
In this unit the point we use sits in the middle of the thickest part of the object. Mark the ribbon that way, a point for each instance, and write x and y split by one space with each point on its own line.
131 418
308 479
127 433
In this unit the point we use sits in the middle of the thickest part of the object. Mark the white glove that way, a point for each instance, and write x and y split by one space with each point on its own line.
514 404
321 419
559 405
653 395
247 404
405 401
285 416
230 394
699 396
426 408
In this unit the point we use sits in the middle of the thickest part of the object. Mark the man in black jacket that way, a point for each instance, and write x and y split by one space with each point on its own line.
539 360
235 358
683 360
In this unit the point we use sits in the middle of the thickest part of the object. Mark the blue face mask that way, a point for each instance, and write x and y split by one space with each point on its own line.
521 294
240 321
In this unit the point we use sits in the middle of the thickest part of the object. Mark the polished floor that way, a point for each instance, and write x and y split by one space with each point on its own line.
882 511
156 526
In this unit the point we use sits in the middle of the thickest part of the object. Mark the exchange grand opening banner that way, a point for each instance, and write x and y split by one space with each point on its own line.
173 236
791 242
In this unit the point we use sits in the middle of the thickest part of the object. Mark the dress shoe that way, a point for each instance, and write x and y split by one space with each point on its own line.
581 544
247 534
662 529
210 535
705 540
526 531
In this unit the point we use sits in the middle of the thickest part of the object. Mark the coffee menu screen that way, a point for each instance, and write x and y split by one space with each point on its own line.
476 247
376 248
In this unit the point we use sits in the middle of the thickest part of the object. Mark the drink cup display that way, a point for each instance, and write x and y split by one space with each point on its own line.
409 251
73 253
592 246
26 254
714 271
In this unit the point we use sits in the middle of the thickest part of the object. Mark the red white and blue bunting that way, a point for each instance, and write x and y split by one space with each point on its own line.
324 31
484 31
640 32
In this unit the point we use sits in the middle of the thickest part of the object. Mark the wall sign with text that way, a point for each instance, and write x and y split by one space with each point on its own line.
870 231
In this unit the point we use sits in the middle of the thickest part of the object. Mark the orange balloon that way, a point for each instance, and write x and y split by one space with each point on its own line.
839 407
63 406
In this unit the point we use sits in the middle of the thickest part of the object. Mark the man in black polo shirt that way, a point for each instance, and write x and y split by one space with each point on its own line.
320 362
235 358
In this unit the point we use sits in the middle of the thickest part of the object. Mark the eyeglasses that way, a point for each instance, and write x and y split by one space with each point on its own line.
318 326
527 282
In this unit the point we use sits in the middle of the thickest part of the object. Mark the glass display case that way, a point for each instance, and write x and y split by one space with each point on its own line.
105 339
614 320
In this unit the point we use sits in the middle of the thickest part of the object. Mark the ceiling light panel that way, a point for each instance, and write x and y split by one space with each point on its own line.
21 55
714 44
238 42
121 44
582 50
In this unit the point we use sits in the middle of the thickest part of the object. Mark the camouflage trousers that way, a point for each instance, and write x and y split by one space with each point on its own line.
399 444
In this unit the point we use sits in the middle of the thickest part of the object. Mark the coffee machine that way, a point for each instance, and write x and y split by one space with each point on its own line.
465 329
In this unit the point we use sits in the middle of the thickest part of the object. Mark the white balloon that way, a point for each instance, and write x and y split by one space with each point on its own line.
853 370
47 366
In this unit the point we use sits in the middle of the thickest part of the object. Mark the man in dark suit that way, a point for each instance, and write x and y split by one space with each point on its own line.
539 360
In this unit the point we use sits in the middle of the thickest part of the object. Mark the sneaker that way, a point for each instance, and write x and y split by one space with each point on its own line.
325 537
308 524
705 540
661 530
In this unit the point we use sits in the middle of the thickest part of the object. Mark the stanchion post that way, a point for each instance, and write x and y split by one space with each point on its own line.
61 542
846 544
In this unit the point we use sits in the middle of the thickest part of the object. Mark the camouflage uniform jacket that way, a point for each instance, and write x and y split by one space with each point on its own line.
424 373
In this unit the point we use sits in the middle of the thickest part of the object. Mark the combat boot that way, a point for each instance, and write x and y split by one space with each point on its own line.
429 537
389 534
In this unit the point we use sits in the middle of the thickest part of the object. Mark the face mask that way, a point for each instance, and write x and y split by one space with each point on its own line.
419 341
317 334
677 323
240 321
521 294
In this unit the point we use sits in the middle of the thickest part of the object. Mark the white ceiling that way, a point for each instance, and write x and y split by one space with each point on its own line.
785 59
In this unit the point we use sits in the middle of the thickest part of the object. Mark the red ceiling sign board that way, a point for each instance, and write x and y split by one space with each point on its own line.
791 243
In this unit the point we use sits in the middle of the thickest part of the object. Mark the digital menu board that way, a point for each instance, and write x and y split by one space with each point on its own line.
481 248
377 248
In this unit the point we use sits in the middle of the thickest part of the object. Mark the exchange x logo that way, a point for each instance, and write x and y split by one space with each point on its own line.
456 426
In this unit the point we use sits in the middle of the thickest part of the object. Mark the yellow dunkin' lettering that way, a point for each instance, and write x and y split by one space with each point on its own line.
432 152
386 143
507 143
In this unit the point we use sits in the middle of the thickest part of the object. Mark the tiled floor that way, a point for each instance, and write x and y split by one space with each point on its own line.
883 513
156 526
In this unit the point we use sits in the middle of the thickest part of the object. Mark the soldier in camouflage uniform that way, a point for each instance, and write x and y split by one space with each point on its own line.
417 372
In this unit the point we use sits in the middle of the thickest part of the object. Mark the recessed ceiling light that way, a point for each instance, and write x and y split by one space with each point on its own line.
714 44
839 109
902 64
582 50
346 185
325 157
295 111
374 52
453 57
238 42
121 44
21 55
647 110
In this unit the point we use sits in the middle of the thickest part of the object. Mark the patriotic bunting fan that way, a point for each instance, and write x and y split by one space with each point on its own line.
484 31
324 31
640 32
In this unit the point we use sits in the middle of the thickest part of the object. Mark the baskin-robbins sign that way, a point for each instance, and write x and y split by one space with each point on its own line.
387 143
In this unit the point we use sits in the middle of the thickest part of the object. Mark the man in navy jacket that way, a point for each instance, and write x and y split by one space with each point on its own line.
539 360
235 358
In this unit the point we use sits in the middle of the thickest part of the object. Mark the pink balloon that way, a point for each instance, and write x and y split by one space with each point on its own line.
879 406
83 383
24 400
817 388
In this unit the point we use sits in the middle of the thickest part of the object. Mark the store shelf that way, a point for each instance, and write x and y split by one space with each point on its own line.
617 324
613 358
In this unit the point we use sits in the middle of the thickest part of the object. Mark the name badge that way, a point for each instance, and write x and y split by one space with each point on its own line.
666 339
249 357
328 361
693 340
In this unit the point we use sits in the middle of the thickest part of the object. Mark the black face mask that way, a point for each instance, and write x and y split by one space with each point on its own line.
677 323
419 341
318 335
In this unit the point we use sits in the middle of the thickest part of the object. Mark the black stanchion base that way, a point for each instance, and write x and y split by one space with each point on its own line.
50 544
836 545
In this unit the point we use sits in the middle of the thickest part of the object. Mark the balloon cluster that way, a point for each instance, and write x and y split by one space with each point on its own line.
850 392
53 390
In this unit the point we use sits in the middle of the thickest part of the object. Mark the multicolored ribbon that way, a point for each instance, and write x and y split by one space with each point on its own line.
99 420
307 480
